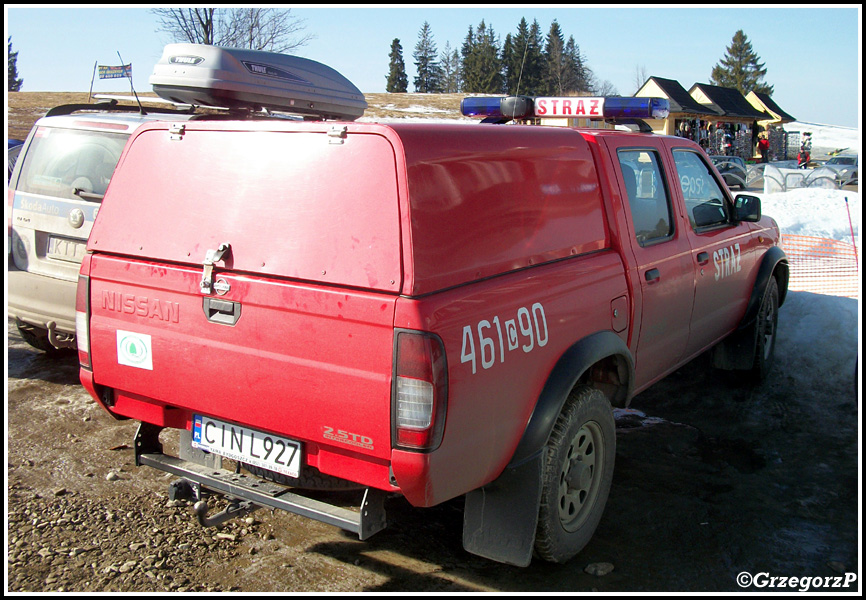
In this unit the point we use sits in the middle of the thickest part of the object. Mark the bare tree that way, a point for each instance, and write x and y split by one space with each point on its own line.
265 29
640 76
604 88
193 25
268 29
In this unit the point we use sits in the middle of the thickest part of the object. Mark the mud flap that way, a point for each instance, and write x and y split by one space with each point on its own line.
499 519
737 351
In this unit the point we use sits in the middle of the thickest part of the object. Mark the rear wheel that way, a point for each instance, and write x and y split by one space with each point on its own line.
577 475
765 332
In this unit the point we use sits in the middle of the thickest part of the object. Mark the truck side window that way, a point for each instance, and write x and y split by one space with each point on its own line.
705 202
647 195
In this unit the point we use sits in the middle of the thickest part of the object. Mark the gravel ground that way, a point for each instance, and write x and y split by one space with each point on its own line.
712 479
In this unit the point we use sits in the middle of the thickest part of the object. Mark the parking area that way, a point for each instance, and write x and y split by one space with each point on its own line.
712 479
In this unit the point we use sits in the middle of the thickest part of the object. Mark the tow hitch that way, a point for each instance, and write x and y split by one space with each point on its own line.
184 489
235 509
59 340
247 493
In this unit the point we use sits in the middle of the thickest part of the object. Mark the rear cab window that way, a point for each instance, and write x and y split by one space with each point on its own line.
705 201
648 197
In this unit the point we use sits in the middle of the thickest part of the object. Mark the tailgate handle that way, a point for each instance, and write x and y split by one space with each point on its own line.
210 257
224 312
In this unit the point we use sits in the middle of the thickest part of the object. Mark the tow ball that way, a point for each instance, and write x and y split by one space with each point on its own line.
183 489
235 509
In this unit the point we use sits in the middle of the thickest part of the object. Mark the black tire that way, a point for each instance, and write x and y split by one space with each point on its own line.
765 333
578 471
38 338
310 479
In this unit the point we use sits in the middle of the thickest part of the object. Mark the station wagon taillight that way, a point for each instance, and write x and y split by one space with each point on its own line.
82 314
420 391
10 199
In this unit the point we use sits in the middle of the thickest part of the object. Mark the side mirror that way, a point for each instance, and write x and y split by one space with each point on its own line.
747 208
709 213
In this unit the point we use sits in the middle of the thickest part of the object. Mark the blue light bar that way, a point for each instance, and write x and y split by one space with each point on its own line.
522 107
636 108
509 107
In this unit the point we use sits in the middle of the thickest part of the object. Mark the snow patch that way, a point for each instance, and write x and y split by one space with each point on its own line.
815 212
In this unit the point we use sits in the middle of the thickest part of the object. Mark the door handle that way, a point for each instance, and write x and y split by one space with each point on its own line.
652 275
703 258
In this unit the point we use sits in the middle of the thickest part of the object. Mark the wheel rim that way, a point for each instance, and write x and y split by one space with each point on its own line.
769 330
580 476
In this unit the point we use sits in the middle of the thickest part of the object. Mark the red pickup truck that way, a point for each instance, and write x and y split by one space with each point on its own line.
429 310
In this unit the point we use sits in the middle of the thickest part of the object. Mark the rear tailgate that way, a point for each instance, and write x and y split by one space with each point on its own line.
296 336
302 361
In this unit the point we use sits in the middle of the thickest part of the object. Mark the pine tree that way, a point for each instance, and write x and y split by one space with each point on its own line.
13 81
429 73
449 61
489 61
398 82
515 51
510 65
532 81
555 73
740 69
578 76
523 60
468 53
482 64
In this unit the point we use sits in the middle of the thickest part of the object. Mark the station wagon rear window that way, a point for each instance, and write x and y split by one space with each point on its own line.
61 161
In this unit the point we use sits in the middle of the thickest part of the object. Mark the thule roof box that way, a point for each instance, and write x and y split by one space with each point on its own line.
254 80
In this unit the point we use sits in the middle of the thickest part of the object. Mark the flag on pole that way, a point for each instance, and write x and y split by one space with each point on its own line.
106 72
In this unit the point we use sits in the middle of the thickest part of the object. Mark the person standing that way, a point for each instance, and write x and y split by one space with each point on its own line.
764 147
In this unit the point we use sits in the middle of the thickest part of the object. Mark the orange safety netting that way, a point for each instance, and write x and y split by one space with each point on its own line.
821 265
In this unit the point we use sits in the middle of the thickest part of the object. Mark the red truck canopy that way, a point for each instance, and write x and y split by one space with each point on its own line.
405 209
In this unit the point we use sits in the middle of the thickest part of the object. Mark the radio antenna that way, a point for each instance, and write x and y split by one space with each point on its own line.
523 62
123 66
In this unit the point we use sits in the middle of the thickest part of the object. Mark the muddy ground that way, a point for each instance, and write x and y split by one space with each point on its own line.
712 479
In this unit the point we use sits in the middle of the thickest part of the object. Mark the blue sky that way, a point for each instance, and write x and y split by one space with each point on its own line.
812 55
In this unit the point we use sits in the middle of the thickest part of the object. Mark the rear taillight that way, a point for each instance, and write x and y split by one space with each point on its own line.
420 391
82 313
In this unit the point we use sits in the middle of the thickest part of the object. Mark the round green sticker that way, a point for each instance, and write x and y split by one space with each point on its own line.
133 349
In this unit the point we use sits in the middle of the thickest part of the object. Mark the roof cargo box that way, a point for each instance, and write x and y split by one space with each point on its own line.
252 79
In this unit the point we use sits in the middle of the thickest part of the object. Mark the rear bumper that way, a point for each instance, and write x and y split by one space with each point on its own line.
368 520
39 300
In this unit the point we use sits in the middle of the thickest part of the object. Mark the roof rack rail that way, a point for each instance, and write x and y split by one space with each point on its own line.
112 106
246 115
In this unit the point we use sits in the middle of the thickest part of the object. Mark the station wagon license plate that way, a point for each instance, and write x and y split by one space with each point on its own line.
62 248
247 445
